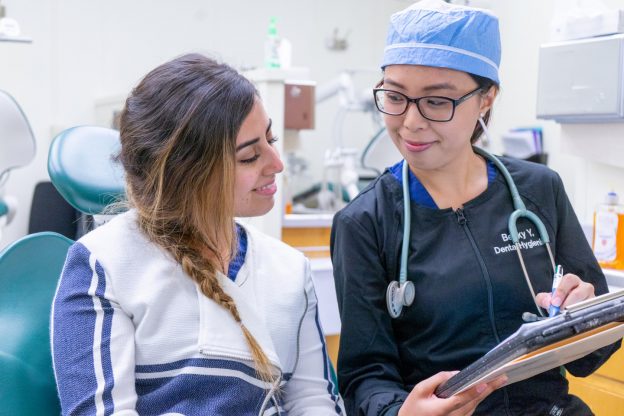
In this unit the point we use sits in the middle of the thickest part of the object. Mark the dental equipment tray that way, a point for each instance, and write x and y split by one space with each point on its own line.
545 344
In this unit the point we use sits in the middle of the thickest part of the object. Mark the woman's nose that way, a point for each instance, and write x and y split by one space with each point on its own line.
412 119
274 163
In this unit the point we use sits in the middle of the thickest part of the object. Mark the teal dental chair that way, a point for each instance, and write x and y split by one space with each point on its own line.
81 168
29 271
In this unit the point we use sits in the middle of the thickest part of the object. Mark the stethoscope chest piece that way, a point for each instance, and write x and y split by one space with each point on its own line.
398 295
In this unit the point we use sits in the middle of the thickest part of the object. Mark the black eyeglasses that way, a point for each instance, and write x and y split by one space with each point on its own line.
432 108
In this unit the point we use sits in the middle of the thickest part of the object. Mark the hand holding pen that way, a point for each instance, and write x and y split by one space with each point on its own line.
552 308
566 290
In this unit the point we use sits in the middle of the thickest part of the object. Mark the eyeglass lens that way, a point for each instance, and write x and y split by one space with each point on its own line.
433 108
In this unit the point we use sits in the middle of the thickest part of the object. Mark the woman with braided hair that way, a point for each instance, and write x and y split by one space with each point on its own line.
173 307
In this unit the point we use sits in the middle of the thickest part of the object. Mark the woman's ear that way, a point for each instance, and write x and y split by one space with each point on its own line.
488 99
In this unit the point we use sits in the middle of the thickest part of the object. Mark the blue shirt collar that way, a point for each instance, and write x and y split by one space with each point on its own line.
418 193
237 262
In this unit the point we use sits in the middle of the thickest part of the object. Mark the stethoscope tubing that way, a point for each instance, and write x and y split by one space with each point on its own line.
407 223
520 211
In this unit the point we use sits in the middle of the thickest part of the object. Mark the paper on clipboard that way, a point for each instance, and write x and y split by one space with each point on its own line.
553 356
540 346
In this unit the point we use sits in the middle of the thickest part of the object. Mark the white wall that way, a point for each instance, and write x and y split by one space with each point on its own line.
84 51
26 72
524 26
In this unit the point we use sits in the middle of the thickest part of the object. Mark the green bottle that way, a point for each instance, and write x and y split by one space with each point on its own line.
271 47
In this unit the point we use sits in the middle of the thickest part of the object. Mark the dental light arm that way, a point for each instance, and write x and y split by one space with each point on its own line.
350 101
17 149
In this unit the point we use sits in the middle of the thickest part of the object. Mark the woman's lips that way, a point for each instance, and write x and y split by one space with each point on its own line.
416 146
267 190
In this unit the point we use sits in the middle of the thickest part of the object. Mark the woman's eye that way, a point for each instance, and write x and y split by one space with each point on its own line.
255 157
394 98
436 102
251 159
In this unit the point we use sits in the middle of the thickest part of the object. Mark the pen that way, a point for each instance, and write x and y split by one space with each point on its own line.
552 309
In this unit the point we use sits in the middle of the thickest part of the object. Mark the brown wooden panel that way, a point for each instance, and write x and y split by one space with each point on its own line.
333 341
306 237
603 391
603 395
614 367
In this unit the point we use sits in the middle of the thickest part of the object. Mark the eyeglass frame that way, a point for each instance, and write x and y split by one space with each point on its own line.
410 100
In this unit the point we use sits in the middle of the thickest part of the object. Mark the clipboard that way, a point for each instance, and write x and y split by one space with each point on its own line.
540 346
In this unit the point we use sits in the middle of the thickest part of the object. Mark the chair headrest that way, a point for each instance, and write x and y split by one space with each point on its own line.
81 167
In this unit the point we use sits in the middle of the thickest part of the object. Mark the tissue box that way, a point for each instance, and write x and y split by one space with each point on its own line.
590 25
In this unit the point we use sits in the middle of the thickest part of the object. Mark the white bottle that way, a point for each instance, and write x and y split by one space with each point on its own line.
285 53
609 233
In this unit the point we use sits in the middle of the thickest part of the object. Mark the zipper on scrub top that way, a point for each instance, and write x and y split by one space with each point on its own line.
461 218
463 222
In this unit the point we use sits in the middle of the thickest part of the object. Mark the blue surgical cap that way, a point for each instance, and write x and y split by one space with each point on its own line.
439 34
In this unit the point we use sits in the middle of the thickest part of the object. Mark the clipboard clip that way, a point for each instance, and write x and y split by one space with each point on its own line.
532 317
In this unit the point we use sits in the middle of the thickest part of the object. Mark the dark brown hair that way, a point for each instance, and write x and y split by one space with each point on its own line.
485 84
178 137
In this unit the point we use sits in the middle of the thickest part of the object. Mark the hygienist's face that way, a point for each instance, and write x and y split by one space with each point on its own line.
257 163
430 145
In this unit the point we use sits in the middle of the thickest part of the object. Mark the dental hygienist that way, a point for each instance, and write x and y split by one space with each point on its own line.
464 289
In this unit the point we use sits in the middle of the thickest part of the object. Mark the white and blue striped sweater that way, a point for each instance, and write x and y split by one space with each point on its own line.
133 335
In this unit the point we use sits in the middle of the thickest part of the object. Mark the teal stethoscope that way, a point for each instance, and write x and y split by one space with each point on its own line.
401 293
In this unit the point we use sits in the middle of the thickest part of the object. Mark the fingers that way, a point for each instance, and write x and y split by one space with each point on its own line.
466 402
543 299
427 387
481 391
570 291
423 401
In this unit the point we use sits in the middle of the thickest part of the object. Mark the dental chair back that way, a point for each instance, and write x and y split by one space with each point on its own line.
81 167
29 271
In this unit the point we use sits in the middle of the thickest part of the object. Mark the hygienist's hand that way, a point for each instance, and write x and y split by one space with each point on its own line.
423 402
570 291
